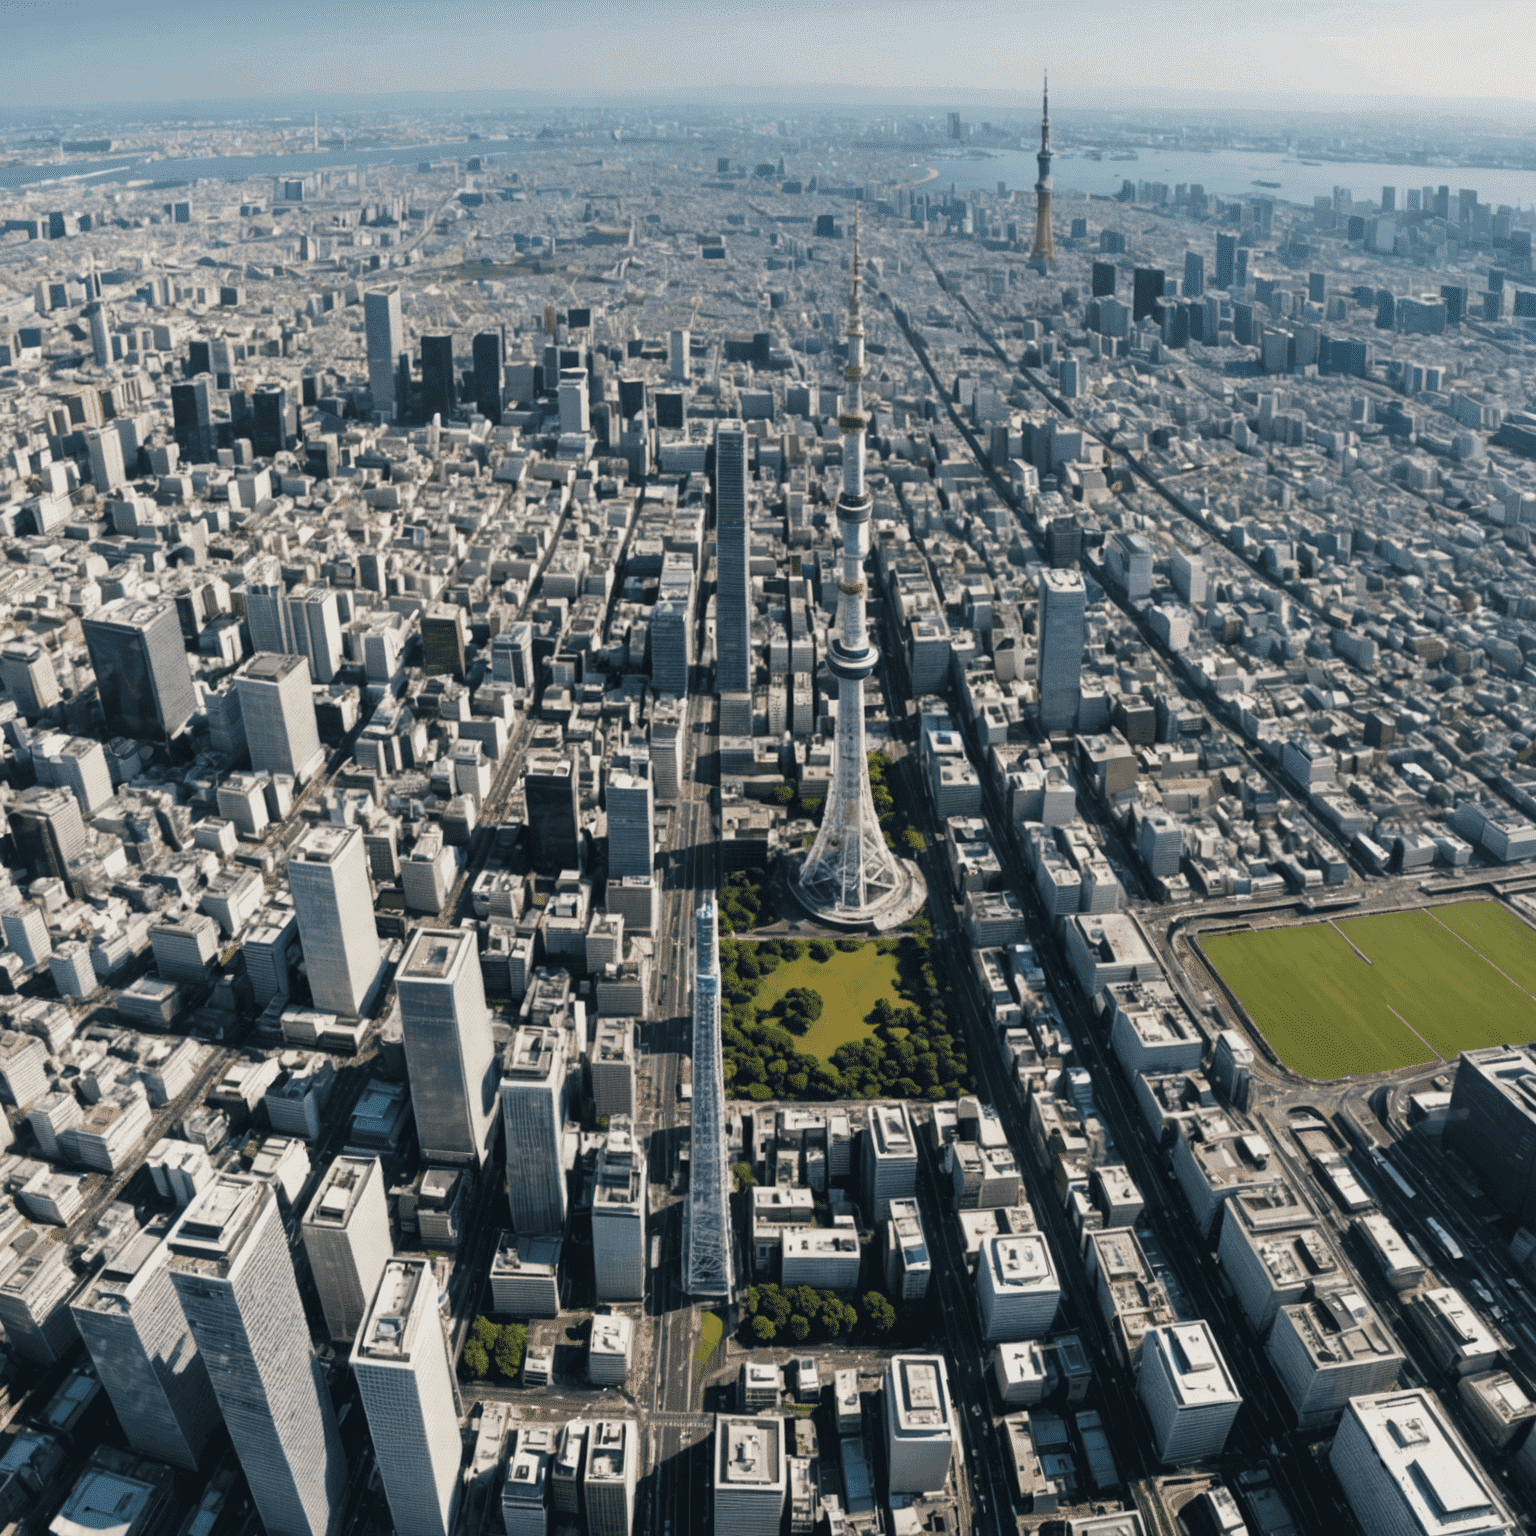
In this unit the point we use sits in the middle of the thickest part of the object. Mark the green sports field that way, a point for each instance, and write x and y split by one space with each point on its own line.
850 984
1367 994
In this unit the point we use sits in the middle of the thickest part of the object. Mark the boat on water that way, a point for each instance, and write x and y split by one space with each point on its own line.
1259 183
1129 154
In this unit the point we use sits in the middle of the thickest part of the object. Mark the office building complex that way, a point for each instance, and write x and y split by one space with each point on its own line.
328 872
850 876
1492 1123
631 820
488 351
233 1274
143 682
888 1167
618 1215
533 1072
919 1423
1062 629
438 380
347 1237
279 712
612 1470
385 342
751 1475
448 1045
1188 1392
552 794
1405 1470
1017 1288
405 1379
733 598
708 1257
139 1341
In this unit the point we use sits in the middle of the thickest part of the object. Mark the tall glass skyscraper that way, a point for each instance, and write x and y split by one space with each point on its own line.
386 341
141 1345
533 1121
234 1277
448 1045
405 1380
141 668
328 874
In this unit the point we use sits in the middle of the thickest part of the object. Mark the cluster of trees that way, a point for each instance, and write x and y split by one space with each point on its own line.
494 1346
912 1054
799 1008
774 1313
741 902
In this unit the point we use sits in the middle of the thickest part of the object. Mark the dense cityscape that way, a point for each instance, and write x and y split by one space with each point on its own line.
767 822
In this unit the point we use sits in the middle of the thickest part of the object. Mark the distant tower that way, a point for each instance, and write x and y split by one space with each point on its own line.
1045 246
707 1254
850 878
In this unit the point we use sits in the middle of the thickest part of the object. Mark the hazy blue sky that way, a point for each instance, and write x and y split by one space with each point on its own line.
80 51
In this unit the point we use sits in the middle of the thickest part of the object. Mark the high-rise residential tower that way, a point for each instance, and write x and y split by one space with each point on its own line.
405 1380
386 341
1044 248
733 592
708 1267
332 895
137 1334
233 1274
533 1120
449 1050
850 878
141 668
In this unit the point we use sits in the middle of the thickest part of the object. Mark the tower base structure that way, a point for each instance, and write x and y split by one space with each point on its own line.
891 907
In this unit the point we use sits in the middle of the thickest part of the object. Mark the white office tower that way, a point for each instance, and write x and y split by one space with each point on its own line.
1405 1470
1017 1288
328 875
572 397
385 341
751 1475
850 877
733 581
889 1165
618 1215
919 1423
266 608
631 820
279 712
405 1380
608 1487
1188 1392
1061 626
139 1341
708 1267
234 1276
677 352
1329 1350
315 613
449 1051
533 1121
347 1237
525 1494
